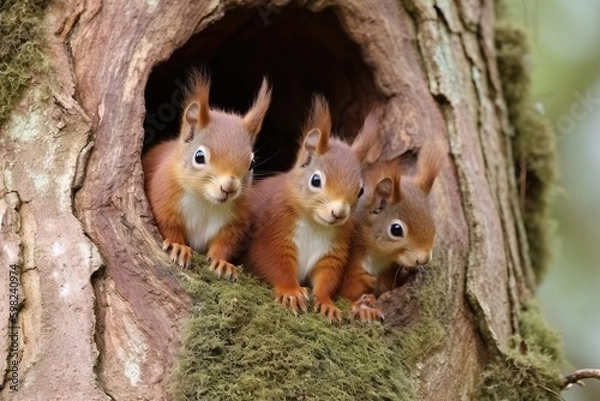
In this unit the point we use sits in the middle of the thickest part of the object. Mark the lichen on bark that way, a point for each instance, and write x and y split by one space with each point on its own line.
21 48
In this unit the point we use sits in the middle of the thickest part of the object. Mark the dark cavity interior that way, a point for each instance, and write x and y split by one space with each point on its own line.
300 52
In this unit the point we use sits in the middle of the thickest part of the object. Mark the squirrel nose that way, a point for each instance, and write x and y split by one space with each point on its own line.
340 210
230 185
424 258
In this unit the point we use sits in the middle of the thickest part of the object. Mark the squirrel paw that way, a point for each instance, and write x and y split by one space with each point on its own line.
223 269
328 310
293 299
180 254
364 309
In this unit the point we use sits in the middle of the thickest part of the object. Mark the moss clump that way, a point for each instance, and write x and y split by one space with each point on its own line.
534 144
529 369
418 340
240 345
20 49
538 334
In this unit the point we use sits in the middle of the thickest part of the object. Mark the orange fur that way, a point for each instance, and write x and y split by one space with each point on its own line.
320 120
196 183
198 91
284 207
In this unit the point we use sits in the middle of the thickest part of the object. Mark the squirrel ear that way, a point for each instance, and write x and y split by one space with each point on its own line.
318 126
367 145
192 113
383 193
191 116
197 111
312 140
197 100
254 117
429 165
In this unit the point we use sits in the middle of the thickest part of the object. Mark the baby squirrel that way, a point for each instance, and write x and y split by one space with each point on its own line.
301 221
395 227
196 183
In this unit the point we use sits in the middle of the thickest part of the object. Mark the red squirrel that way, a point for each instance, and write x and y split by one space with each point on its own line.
196 183
301 221
395 227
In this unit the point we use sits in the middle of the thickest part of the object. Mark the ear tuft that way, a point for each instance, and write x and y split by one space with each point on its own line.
367 145
254 117
429 165
318 126
198 92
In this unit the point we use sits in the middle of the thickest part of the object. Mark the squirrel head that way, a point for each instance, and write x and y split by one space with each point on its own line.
397 222
215 147
327 176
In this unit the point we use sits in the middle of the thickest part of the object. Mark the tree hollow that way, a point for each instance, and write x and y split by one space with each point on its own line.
301 53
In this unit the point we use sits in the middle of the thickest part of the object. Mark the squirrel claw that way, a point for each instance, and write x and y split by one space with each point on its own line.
295 300
180 254
365 310
222 268
328 310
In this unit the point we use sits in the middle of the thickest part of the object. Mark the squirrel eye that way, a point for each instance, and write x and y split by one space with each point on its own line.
252 163
397 230
200 156
316 181
361 191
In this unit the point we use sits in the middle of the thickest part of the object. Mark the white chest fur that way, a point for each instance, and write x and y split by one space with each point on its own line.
312 243
203 220
373 264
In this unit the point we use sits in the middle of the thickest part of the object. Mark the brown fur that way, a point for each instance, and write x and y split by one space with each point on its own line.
172 174
429 166
278 204
367 144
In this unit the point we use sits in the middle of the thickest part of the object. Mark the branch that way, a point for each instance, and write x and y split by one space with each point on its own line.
578 375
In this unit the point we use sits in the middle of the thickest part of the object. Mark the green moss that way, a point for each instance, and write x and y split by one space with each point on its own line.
418 340
529 370
240 345
539 335
534 144
20 49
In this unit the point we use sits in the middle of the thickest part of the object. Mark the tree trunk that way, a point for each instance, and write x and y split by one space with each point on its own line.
101 309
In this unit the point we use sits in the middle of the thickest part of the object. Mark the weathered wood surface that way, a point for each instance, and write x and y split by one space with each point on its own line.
100 312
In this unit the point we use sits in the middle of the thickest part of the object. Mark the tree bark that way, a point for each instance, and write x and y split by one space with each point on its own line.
100 308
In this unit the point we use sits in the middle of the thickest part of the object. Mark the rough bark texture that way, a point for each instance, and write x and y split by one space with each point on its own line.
102 310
